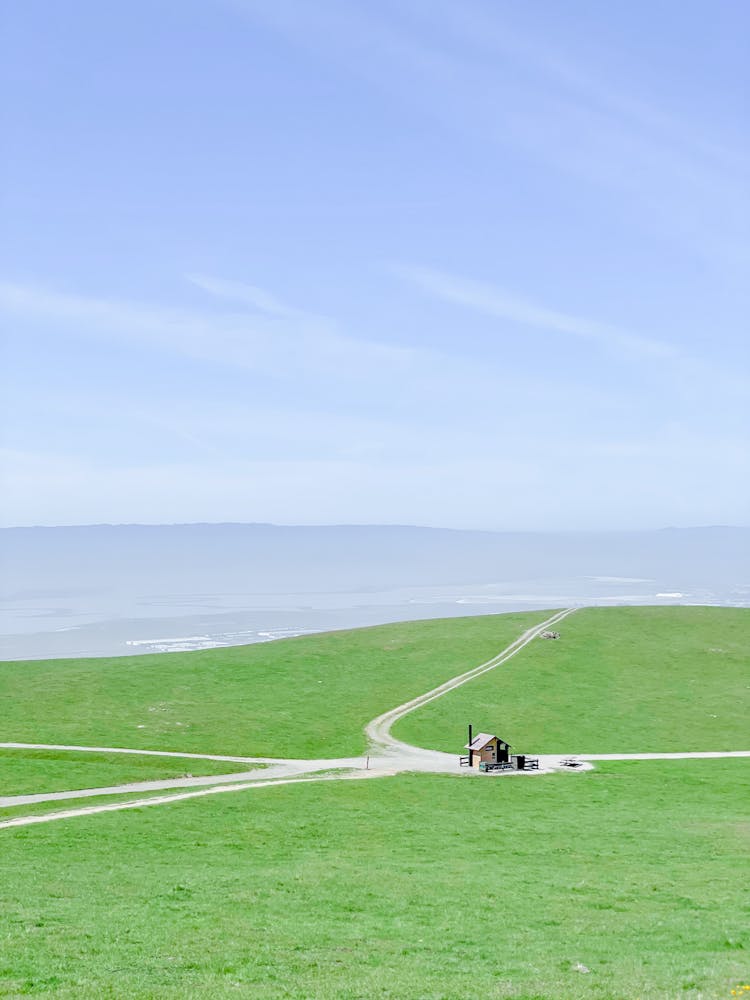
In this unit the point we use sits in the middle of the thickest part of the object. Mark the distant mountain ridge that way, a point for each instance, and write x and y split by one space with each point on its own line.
267 557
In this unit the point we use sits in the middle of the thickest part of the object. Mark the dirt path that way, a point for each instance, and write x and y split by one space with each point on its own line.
27 799
420 760
378 731
162 799
689 755
142 753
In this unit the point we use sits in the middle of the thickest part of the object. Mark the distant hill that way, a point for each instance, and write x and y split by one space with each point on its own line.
190 558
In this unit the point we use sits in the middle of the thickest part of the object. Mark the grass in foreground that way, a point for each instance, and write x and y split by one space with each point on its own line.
303 697
26 772
619 680
413 887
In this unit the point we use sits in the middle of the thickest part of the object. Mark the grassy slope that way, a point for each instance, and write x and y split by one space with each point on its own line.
618 680
25 772
414 887
297 697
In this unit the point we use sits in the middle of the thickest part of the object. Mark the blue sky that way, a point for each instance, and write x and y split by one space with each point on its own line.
477 264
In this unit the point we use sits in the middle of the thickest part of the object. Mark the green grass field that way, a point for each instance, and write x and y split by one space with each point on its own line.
414 887
418 887
619 680
304 697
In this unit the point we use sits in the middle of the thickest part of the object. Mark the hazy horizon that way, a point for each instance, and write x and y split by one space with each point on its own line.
377 524
88 590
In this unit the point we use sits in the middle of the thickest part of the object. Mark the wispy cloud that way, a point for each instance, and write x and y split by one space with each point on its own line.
501 304
287 347
249 295
489 30
469 67
273 338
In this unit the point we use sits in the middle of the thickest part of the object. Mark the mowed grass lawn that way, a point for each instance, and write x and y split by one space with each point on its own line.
619 680
24 772
303 697
411 888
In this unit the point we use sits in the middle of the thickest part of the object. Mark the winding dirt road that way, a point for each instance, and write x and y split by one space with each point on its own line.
378 731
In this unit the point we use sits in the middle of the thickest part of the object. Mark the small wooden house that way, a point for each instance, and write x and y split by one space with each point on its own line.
487 749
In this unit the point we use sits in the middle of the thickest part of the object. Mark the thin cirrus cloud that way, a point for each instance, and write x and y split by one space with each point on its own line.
473 71
249 295
501 304
271 338
417 399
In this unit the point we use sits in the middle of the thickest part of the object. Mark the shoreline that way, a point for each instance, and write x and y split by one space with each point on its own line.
117 646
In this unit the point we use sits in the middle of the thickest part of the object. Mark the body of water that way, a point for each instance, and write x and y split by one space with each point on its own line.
118 591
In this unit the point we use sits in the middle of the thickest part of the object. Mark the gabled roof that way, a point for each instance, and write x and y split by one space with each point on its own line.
481 741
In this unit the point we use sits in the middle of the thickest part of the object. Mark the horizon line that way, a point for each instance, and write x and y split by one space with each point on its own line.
383 525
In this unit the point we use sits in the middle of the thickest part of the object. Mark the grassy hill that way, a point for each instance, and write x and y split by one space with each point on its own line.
619 680
303 697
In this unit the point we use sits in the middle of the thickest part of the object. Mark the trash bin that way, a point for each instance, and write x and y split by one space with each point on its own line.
521 761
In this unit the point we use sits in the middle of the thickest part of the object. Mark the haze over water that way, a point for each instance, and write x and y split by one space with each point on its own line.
106 591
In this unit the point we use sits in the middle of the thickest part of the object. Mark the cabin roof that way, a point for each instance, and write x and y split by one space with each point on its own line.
482 740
